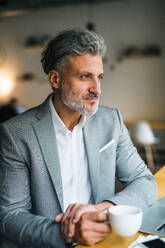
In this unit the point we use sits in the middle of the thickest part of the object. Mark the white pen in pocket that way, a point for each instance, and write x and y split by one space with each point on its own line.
107 145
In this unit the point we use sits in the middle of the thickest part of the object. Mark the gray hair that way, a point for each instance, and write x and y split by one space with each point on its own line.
70 42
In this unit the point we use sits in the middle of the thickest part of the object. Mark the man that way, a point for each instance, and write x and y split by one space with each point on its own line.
58 161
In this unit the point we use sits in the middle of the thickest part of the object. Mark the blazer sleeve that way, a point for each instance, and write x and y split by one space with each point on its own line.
17 222
139 185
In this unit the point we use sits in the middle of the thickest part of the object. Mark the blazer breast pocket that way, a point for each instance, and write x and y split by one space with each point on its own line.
106 146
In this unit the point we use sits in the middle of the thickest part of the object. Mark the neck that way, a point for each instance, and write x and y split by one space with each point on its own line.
69 117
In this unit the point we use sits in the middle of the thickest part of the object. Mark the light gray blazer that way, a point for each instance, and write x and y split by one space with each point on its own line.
30 179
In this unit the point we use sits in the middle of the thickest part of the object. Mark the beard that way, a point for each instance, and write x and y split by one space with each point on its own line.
75 103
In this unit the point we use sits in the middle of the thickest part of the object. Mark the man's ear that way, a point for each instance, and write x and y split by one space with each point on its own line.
54 79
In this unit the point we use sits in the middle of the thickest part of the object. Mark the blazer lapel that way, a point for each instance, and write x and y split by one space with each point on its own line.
92 150
45 132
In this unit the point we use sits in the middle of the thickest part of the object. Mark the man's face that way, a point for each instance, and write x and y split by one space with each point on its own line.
80 86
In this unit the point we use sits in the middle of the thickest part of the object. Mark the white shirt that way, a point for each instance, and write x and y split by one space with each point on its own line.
73 161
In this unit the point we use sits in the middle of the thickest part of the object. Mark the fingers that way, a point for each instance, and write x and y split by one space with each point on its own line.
95 216
101 228
69 240
89 225
71 212
66 221
59 217
94 238
72 216
90 237
88 213
79 210
91 228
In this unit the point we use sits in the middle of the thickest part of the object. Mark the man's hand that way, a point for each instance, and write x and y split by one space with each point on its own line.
73 214
91 228
71 217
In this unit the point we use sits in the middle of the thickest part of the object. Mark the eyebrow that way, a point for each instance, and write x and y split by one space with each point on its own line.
88 72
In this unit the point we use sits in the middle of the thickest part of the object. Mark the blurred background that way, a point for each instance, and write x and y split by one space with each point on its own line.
134 65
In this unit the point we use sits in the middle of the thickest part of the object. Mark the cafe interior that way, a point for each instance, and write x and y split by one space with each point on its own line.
134 64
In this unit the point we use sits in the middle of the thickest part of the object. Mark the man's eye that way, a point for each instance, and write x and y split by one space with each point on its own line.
85 76
101 77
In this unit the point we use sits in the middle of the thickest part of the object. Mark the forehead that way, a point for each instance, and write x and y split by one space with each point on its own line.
86 62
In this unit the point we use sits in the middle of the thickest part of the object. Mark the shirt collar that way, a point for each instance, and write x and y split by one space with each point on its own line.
58 123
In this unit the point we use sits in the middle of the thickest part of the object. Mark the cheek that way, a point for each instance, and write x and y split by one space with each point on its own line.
78 88
80 92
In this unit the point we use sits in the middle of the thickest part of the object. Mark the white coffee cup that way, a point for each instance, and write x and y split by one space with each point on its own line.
125 220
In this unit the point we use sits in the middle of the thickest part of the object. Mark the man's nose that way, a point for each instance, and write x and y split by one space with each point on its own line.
96 87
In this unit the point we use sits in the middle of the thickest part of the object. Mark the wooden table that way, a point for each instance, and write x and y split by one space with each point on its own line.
153 124
115 241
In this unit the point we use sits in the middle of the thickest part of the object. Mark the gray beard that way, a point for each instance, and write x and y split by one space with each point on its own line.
74 103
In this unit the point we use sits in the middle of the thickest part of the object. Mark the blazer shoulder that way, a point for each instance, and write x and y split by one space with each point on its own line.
105 112
28 117
23 119
105 109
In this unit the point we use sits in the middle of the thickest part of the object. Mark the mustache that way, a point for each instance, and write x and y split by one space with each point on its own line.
91 95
